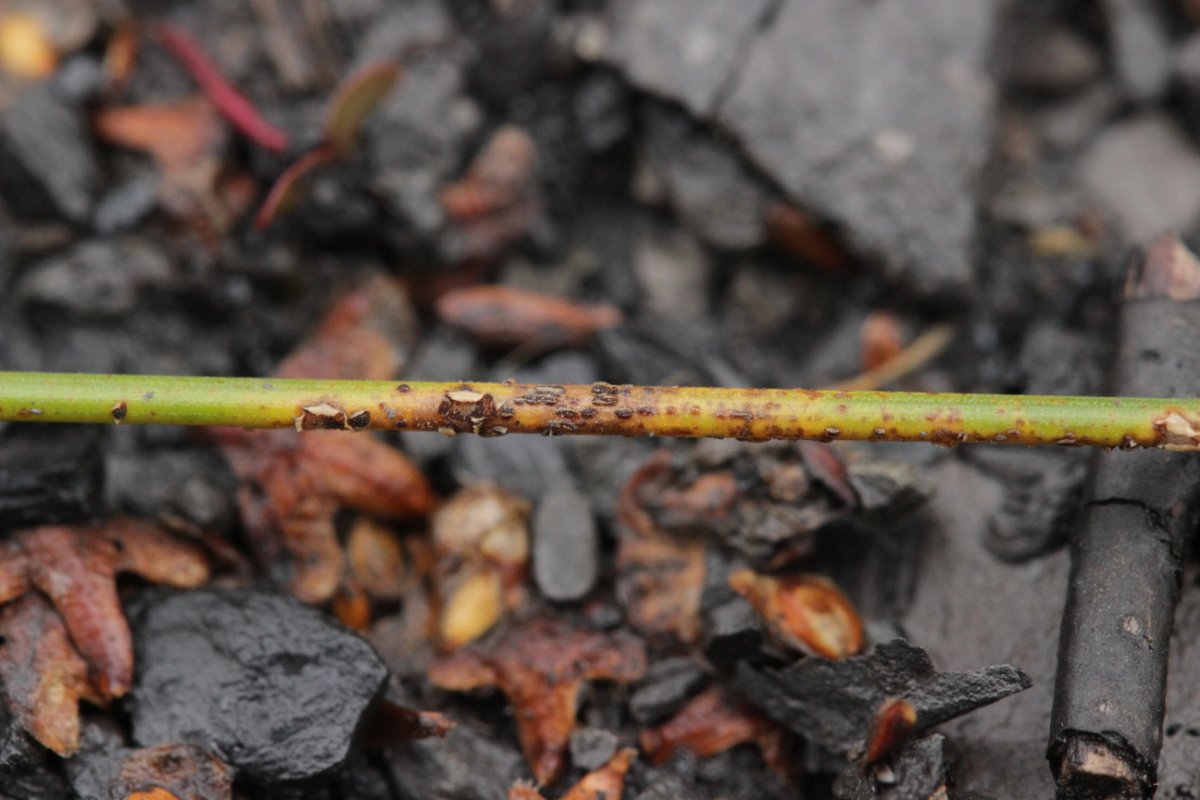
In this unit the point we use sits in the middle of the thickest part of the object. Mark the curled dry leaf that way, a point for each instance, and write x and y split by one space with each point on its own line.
803 612
76 567
503 317
293 486
660 576
540 666
182 771
710 724
605 783
355 98
44 677
481 537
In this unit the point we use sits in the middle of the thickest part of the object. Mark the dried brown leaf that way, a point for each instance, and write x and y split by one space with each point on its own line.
44 677
186 139
501 316
540 666
711 723
76 567
660 577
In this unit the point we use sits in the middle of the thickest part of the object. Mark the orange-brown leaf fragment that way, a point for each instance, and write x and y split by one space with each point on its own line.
183 771
540 666
76 568
710 724
501 316
891 725
186 140
605 783
498 178
44 677
803 612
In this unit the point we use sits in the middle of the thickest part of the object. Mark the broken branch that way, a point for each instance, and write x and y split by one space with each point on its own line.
493 409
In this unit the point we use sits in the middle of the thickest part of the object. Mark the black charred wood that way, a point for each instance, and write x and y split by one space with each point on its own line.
1126 554
49 474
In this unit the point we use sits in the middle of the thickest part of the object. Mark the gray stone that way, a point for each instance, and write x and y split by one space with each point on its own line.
565 544
463 765
97 279
673 271
878 117
1140 47
47 154
591 748
968 608
667 686
1147 173
275 688
711 188
415 139
686 50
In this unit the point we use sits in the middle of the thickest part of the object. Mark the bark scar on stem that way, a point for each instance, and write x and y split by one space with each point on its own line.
322 416
1177 433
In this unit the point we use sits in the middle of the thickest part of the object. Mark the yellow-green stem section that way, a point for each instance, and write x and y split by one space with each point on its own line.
600 409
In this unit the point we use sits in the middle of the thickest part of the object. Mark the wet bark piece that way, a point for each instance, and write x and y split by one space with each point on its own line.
541 667
276 689
875 116
832 703
1126 554
48 475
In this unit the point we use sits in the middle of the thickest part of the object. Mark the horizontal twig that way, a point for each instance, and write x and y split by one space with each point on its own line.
493 409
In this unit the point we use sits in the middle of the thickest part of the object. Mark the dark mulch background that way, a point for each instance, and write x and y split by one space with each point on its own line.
987 164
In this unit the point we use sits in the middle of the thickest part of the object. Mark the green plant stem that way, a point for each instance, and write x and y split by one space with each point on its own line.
602 409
